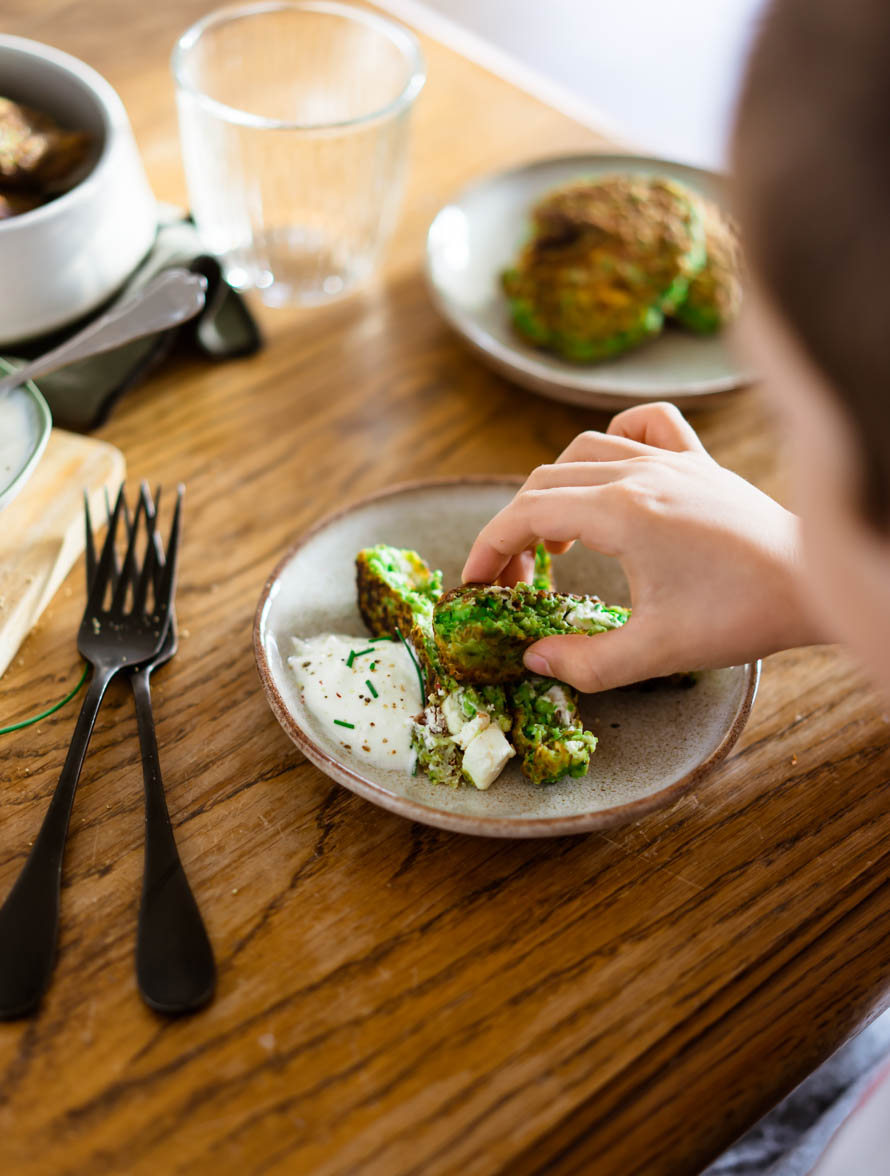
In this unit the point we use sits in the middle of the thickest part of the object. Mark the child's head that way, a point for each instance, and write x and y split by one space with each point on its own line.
812 173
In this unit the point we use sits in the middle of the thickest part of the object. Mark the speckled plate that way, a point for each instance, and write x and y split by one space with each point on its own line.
475 237
653 746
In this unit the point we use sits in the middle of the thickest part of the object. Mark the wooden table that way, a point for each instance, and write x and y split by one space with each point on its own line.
394 999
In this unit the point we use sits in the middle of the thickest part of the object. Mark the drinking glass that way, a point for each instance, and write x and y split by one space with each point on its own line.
294 124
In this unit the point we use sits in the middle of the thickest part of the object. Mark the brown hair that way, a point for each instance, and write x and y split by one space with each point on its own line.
812 166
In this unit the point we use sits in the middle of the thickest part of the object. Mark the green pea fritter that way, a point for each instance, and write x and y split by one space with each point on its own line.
714 296
396 589
482 630
548 733
605 259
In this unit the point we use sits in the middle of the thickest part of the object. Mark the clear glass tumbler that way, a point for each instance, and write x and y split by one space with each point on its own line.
294 124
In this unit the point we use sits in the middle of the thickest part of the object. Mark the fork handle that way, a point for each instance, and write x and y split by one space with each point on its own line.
29 918
175 969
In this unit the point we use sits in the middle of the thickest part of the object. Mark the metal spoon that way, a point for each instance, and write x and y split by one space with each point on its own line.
168 300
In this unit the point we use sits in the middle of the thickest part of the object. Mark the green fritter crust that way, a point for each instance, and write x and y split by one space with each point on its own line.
547 731
437 753
482 630
714 297
396 589
396 592
605 260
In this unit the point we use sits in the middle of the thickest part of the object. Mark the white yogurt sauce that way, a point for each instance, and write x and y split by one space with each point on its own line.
18 434
377 729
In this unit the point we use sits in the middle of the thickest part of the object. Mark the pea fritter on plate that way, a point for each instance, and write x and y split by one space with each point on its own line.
461 735
605 260
714 297
396 589
482 630
547 731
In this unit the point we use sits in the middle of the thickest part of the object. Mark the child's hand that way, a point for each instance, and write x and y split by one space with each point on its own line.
712 563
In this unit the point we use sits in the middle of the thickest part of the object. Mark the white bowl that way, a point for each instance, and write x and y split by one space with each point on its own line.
65 258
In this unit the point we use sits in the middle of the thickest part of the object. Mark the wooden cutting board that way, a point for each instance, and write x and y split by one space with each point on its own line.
42 531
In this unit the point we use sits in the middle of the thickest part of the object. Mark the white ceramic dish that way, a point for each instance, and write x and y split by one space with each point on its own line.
71 254
653 746
475 237
25 426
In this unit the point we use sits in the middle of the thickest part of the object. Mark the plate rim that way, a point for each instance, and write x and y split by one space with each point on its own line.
13 488
579 381
482 826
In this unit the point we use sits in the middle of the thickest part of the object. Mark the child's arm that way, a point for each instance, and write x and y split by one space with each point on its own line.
713 564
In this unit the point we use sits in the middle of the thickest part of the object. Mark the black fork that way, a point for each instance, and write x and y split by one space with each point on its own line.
112 637
175 969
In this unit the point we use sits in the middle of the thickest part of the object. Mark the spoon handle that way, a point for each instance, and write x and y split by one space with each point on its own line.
169 299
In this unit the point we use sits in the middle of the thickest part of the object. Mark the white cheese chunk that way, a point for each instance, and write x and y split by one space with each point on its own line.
584 615
454 713
486 755
470 730
557 695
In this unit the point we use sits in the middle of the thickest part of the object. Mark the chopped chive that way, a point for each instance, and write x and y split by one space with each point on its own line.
373 639
350 659
373 666
417 666
357 653
370 686
342 723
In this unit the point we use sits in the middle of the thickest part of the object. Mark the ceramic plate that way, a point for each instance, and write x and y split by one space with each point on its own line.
473 239
653 746
25 425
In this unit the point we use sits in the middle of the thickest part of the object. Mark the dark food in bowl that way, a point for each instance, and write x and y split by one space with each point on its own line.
14 203
38 158
608 260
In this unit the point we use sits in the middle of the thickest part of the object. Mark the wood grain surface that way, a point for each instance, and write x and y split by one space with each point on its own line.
394 999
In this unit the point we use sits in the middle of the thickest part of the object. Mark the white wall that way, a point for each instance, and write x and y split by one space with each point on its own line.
665 71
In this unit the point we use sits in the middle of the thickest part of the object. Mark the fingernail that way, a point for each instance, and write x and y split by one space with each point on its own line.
538 664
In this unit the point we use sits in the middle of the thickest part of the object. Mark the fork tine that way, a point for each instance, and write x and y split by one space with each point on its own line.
116 563
167 584
159 543
128 569
148 573
160 558
90 545
103 572
89 541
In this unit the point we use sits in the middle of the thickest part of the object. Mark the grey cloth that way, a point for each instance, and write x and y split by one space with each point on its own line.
790 1139
82 395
